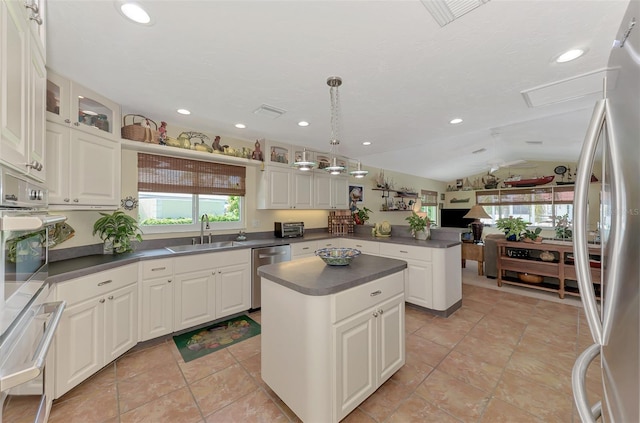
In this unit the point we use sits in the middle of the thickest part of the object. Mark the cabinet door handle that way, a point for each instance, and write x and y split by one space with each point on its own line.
33 7
105 282
380 311
158 268
358 245
169 281
67 121
101 300
66 200
375 314
75 200
374 293
305 248
76 123
110 297
36 18
403 251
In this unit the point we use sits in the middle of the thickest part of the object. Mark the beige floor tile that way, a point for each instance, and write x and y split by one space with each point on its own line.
496 353
420 349
385 400
499 411
222 388
456 397
147 386
247 348
412 324
417 409
501 330
565 340
104 379
204 366
541 370
95 406
471 370
255 407
563 356
478 306
445 332
468 314
177 406
358 416
285 409
143 361
534 398
412 374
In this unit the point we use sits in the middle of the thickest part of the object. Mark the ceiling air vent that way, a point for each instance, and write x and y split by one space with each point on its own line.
269 111
446 11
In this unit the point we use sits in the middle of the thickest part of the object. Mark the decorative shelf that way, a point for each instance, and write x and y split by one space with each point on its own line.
398 194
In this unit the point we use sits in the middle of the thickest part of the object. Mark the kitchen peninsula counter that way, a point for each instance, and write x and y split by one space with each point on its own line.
311 276
331 335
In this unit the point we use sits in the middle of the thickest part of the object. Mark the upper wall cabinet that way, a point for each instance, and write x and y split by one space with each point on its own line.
21 90
69 103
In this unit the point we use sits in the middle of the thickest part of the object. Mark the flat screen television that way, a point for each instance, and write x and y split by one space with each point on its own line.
453 218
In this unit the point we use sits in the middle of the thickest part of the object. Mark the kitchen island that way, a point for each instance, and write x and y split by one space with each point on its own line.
331 335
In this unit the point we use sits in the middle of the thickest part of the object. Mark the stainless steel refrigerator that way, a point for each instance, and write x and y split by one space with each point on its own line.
613 137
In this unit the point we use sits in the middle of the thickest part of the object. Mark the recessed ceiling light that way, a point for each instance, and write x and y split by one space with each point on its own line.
135 12
455 121
303 123
570 55
183 111
366 143
240 125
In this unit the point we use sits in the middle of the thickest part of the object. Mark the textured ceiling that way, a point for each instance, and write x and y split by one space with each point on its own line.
404 76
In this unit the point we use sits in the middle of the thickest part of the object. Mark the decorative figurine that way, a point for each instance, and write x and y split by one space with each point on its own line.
257 153
163 133
216 144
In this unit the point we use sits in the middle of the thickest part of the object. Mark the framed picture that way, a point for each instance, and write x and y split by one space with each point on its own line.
356 195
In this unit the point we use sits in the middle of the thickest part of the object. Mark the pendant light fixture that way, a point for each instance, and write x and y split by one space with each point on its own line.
359 172
305 161
334 167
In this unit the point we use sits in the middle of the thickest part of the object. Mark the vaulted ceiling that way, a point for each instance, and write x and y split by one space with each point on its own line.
405 77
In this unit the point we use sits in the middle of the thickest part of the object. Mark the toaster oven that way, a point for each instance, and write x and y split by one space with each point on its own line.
288 229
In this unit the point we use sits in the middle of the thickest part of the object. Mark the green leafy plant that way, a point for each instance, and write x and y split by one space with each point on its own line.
563 227
533 235
512 226
119 229
418 223
361 215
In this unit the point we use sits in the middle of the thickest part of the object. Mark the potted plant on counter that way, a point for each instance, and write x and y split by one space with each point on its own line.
117 230
361 215
420 225
532 236
513 227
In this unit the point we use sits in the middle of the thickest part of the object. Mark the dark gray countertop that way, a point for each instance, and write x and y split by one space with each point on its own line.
81 266
311 276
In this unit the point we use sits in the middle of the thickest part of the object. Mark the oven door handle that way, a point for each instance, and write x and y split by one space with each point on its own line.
33 369
30 223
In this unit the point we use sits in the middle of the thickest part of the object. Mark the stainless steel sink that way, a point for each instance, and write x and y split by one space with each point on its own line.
203 247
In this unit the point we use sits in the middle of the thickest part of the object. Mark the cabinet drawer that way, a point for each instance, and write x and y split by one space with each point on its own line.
156 268
365 247
359 298
303 248
198 262
405 251
328 243
80 289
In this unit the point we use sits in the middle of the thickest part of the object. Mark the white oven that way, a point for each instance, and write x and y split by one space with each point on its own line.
27 321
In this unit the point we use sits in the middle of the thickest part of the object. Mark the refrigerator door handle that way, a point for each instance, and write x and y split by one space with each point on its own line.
580 207
578 381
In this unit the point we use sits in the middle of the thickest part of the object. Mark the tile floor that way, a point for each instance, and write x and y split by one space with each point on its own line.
502 357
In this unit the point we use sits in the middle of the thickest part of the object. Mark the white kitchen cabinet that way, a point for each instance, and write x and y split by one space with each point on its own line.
369 350
358 342
365 247
156 298
199 279
83 168
418 283
284 188
303 249
98 325
330 191
70 104
21 92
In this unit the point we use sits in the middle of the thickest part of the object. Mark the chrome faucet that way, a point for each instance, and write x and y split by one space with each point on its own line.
203 219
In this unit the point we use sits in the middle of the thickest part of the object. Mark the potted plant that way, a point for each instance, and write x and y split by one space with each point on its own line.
532 235
563 228
420 225
117 230
361 215
513 227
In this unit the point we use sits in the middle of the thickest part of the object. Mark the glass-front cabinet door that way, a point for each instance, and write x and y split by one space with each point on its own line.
72 104
278 154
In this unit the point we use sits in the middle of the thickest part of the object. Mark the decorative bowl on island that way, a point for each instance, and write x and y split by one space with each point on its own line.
337 256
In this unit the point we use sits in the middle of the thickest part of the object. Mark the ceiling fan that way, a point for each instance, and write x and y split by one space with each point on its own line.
494 165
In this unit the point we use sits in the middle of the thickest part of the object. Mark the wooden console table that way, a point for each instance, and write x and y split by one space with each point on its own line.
521 257
471 251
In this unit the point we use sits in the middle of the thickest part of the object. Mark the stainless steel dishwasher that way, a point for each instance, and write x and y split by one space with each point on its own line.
260 257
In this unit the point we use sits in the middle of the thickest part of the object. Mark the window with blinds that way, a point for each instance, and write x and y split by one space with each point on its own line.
178 175
542 206
430 204
182 195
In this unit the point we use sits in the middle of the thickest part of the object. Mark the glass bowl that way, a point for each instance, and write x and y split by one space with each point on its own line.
337 256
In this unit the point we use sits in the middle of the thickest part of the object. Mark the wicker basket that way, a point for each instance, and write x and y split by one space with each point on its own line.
135 131
528 277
